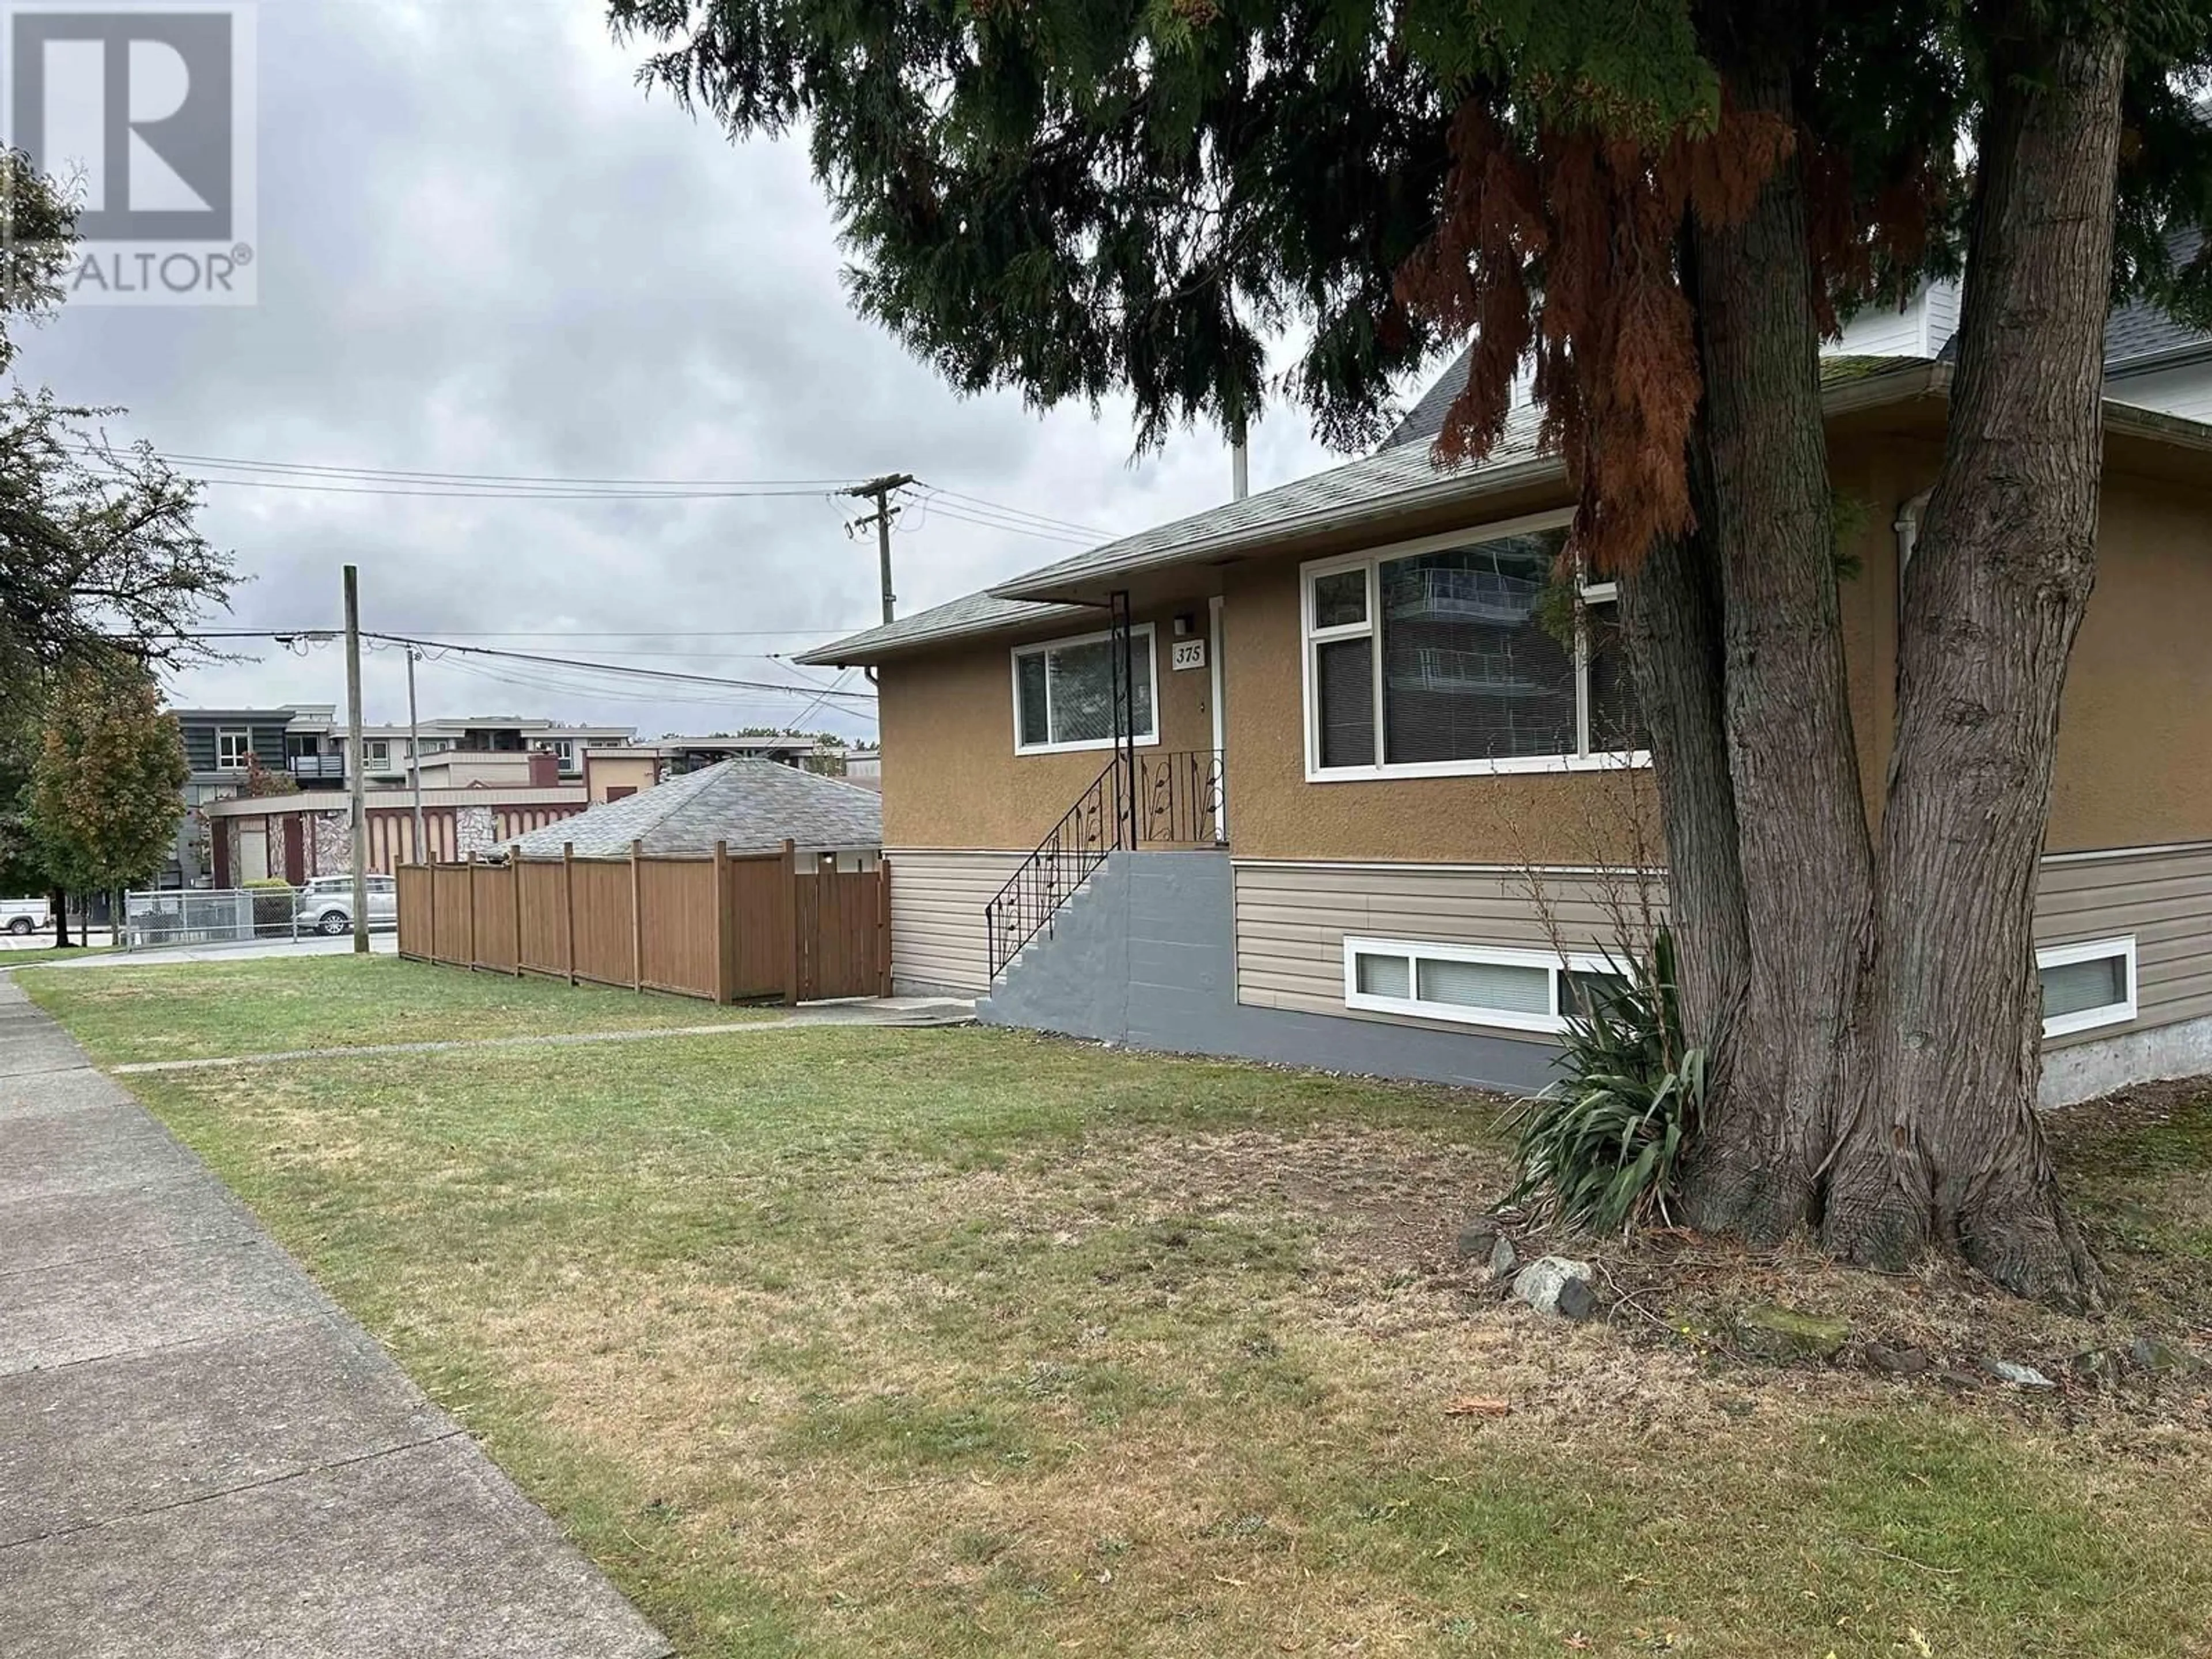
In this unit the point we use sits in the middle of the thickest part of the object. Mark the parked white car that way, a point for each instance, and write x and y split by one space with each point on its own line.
26 915
325 905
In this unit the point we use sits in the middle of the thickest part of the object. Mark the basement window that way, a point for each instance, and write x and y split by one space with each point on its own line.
1512 989
2086 986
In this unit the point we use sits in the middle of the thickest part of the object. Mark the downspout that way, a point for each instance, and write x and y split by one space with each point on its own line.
1907 526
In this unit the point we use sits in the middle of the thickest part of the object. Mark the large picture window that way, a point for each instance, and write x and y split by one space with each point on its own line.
1464 655
1064 692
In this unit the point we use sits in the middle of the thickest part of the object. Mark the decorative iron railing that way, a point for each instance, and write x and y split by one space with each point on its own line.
1155 799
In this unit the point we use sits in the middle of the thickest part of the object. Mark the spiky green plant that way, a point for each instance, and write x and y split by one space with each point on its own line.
1601 1148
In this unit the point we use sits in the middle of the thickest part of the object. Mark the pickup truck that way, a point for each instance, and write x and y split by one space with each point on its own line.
18 916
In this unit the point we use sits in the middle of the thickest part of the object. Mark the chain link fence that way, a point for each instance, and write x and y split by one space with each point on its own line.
223 915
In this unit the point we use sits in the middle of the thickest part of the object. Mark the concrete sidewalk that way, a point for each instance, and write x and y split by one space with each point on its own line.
200 1455
154 956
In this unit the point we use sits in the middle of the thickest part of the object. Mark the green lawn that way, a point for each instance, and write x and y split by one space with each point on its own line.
963 1342
271 1005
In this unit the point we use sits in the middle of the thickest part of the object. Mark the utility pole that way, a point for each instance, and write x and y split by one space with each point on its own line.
355 783
415 759
880 491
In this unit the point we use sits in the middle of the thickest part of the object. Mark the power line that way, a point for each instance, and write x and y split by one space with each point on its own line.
416 475
621 669
938 507
516 494
616 668
1015 512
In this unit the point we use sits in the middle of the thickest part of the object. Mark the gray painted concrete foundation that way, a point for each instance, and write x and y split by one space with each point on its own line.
1146 954
2090 1069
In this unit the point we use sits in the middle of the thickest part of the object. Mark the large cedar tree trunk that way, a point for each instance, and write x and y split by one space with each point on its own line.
1802 843
1670 613
1943 1146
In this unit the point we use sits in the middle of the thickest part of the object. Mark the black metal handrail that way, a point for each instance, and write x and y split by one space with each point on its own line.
1158 799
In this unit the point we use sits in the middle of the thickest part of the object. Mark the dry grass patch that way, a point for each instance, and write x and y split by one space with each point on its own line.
964 1343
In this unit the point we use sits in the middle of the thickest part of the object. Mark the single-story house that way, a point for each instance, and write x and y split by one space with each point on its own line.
1359 730
747 805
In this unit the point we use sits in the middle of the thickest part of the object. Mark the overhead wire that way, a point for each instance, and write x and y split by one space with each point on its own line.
1016 512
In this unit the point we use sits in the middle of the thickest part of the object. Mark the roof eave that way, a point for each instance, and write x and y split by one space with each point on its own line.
857 652
1372 509
2154 362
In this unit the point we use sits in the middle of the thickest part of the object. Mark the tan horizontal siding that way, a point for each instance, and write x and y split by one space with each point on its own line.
1291 919
2163 896
937 914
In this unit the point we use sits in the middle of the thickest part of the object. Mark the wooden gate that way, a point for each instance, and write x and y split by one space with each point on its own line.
842 924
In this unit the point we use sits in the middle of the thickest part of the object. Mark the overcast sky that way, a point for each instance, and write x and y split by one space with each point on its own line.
485 249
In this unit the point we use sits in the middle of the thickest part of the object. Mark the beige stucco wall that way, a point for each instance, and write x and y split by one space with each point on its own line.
2133 767
606 772
951 778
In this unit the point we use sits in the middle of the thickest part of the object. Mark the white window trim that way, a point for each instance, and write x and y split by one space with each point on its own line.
243 762
1502 956
1145 740
370 757
2109 1013
1371 560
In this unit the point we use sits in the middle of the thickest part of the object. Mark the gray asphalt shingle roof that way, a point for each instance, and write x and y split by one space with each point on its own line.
753 804
2139 334
960 618
1426 418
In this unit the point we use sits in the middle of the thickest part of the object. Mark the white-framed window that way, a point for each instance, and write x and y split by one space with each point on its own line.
234 748
1436 659
2087 985
1064 692
1502 985
375 752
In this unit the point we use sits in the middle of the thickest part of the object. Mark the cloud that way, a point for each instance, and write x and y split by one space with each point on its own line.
485 249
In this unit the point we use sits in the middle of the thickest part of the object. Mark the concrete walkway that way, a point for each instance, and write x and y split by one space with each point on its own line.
155 955
901 1012
201 1456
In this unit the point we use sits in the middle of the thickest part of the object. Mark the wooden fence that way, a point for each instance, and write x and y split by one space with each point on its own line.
729 928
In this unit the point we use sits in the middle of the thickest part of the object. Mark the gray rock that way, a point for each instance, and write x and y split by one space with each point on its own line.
1476 1238
1785 1336
1543 1285
1577 1300
1504 1260
2020 1377
1895 1362
1958 1379
2162 1358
